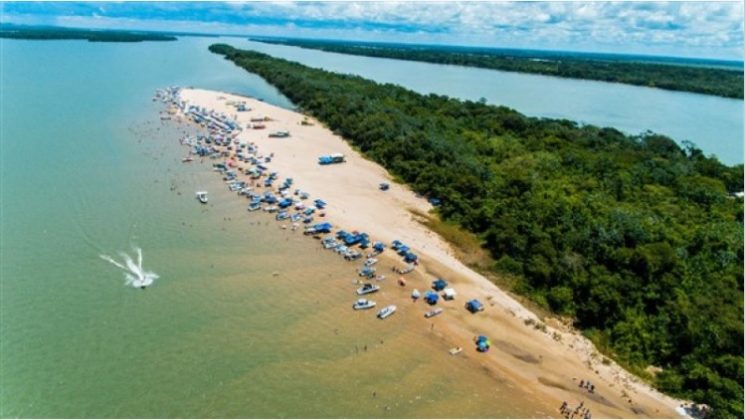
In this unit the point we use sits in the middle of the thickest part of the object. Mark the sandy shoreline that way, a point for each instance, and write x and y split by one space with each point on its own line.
547 363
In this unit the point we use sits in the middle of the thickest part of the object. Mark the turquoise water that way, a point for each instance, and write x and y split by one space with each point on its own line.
246 320
714 124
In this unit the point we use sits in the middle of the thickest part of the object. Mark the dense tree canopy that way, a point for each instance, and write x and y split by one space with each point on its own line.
711 81
636 238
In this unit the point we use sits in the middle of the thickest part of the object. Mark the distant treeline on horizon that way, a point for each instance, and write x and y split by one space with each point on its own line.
706 76
45 33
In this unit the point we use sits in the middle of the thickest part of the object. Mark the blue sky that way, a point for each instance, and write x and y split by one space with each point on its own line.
693 29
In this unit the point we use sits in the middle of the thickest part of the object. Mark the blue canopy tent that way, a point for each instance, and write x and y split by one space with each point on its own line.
474 306
431 297
439 284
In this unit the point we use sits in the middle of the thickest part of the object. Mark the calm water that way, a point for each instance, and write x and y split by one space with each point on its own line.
714 124
246 320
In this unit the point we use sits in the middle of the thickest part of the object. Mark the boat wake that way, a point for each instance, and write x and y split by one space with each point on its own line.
134 274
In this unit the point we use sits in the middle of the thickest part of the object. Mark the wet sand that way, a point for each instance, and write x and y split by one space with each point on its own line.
545 362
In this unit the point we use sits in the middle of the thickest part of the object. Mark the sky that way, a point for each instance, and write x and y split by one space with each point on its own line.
706 29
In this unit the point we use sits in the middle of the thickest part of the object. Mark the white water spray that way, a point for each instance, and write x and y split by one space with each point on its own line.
134 274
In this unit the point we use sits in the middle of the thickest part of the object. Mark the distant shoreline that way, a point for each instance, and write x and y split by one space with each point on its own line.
663 74
90 35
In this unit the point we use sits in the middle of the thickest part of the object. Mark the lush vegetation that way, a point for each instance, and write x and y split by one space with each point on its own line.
50 33
638 239
711 81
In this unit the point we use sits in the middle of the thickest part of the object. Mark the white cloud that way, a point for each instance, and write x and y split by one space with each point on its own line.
699 28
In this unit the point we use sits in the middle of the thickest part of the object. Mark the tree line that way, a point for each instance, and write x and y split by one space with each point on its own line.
710 81
52 33
637 239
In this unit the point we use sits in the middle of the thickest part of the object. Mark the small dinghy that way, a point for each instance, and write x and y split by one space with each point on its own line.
387 311
202 196
363 304
368 288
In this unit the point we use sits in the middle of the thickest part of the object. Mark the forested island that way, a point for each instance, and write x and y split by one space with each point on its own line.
91 35
711 81
636 239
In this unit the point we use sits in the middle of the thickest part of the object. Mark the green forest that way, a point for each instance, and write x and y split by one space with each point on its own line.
50 33
710 81
638 240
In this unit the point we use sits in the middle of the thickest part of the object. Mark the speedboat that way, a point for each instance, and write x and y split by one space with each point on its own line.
368 288
202 196
433 312
387 311
363 304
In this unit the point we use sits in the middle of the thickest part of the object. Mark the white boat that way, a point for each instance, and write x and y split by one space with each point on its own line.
455 350
387 311
368 288
433 312
363 304
202 196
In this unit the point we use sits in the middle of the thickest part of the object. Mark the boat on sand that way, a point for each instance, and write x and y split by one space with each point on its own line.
387 311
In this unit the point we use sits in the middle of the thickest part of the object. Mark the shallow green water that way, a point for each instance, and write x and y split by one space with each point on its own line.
246 320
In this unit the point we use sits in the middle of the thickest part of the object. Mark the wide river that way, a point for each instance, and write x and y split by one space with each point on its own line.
245 321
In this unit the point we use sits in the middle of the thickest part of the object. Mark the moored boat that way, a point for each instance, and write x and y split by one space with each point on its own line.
433 312
387 311
363 304
368 288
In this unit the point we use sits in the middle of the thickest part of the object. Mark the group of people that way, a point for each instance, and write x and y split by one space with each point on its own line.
581 411
587 385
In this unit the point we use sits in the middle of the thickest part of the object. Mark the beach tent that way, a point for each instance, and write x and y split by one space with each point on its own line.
431 297
379 246
439 284
449 293
482 343
474 306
